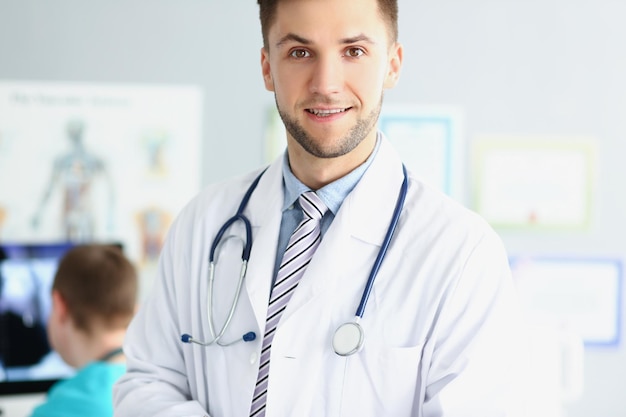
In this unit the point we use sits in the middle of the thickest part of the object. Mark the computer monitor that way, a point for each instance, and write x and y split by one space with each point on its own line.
27 362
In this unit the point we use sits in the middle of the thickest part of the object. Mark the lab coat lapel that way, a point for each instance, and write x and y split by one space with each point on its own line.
364 218
370 206
264 212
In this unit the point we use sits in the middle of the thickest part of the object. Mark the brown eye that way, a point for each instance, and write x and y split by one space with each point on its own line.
299 53
354 52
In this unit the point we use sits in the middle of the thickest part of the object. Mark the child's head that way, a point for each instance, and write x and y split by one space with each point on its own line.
94 295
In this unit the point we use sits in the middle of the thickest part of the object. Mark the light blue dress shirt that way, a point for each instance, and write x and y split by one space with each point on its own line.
331 194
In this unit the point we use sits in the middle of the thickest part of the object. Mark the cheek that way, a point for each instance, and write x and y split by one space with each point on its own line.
286 90
51 329
55 336
367 83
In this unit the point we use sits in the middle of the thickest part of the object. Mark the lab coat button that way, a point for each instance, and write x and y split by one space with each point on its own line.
253 358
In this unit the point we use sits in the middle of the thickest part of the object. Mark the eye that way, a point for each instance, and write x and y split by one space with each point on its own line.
354 52
299 53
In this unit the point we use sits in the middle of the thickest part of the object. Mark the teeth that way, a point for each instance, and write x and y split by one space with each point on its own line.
324 113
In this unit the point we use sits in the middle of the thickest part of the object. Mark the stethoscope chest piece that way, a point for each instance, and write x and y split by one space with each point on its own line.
348 339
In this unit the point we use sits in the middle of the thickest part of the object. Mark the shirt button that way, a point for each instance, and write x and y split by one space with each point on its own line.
253 358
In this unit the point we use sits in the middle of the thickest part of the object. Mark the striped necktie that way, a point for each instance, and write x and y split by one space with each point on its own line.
300 249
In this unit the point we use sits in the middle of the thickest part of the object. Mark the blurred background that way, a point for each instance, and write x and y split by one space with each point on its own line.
531 97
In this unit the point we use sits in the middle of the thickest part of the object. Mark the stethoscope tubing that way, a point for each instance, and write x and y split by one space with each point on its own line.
245 257
233 306
239 216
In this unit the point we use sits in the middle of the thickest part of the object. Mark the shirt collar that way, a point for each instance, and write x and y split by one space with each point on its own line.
331 194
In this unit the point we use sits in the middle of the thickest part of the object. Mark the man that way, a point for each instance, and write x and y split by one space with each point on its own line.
93 299
441 329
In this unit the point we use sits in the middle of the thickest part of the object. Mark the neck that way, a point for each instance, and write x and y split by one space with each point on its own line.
99 347
315 172
112 355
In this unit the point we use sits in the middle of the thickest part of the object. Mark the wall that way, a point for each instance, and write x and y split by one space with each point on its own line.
515 67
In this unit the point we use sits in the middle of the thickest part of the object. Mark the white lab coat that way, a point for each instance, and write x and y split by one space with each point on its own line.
442 327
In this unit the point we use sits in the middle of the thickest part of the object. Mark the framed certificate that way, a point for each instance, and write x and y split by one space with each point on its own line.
533 182
584 294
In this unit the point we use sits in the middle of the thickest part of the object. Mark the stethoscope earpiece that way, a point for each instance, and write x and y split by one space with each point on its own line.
187 338
249 337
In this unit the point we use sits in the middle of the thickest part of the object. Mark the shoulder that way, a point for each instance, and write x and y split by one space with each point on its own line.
89 392
445 228
92 378
205 213
223 196
427 209
437 208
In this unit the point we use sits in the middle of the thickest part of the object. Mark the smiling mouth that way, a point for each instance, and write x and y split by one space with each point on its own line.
327 112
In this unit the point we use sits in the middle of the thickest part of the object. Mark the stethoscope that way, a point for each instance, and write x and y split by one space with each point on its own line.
349 337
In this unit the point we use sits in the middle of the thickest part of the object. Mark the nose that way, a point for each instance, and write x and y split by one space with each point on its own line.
328 75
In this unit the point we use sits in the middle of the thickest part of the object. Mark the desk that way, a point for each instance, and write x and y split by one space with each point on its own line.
19 405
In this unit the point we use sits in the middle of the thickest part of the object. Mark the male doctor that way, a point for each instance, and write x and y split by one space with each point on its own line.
441 331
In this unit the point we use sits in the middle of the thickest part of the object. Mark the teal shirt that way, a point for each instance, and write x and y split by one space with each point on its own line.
89 393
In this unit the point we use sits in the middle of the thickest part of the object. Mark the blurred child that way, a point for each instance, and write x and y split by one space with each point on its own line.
94 297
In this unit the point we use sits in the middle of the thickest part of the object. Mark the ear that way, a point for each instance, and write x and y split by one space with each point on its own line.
266 70
395 64
59 306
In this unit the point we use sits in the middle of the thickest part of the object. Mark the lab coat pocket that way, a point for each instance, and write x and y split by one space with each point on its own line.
381 381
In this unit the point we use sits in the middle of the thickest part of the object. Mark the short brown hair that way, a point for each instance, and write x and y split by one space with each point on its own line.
99 285
267 14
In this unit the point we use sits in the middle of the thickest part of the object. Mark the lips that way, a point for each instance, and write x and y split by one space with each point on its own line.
327 112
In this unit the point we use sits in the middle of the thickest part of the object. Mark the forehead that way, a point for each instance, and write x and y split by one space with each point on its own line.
328 20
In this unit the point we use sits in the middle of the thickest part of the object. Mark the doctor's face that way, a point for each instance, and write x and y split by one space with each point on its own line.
327 62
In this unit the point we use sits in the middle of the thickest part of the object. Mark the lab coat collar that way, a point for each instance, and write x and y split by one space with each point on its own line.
369 208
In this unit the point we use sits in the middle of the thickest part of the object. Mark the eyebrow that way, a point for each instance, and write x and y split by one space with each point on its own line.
292 37
358 38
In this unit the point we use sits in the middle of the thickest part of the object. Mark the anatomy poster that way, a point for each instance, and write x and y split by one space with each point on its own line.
97 162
